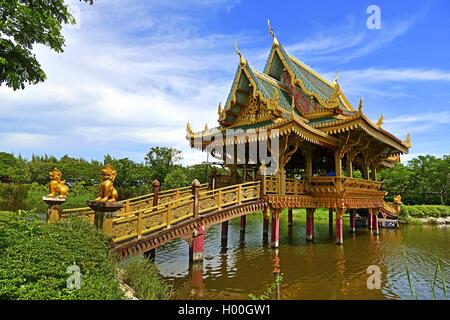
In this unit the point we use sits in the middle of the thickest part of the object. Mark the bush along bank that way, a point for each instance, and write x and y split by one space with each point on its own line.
67 260
425 214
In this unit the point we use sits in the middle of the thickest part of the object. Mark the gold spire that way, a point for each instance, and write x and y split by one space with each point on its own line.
206 127
407 141
189 129
242 61
219 109
337 76
360 106
380 121
275 42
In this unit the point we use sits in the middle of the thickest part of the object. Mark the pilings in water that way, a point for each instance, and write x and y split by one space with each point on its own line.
224 235
243 222
369 219
197 246
266 216
310 224
375 227
339 226
275 228
352 221
330 218
290 219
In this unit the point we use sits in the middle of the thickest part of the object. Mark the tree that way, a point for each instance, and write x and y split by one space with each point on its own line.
23 24
176 178
161 160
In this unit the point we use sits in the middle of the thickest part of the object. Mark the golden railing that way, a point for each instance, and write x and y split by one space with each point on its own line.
138 203
228 196
271 185
142 222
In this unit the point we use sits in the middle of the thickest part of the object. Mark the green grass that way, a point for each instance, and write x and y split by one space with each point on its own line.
142 275
425 211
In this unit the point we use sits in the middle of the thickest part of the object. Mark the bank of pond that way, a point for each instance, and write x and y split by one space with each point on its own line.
70 259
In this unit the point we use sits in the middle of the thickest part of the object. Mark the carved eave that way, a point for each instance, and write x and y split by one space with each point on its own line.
282 126
360 121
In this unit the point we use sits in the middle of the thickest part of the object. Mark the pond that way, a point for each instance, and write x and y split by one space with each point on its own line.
318 270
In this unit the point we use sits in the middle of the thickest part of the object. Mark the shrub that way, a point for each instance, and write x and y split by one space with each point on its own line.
35 258
13 196
423 211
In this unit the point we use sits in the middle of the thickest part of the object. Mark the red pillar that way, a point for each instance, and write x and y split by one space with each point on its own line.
309 224
198 244
243 221
352 221
196 271
224 232
375 226
290 217
266 222
369 219
339 229
275 228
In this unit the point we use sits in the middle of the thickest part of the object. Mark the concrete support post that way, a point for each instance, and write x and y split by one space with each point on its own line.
197 246
54 209
352 221
375 227
369 219
339 226
275 228
104 214
310 224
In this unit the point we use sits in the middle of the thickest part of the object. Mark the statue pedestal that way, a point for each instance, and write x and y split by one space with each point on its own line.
54 208
104 214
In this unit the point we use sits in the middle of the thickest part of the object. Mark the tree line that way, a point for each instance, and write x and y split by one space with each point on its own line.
422 180
160 163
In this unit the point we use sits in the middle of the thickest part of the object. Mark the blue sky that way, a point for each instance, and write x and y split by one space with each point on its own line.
134 72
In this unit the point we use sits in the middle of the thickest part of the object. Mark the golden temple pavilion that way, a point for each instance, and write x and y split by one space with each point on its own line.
320 140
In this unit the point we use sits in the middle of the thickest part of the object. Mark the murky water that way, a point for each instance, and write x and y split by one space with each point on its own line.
319 270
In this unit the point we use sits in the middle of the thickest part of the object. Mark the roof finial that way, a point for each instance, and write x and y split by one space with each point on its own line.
337 76
275 42
360 106
242 61
407 141
206 127
189 129
380 121
219 109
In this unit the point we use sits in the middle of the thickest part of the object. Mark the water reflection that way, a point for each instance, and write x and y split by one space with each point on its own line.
318 270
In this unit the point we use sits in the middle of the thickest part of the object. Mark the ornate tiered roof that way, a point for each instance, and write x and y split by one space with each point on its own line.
291 96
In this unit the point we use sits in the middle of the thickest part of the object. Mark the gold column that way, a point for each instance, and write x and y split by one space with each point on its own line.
349 168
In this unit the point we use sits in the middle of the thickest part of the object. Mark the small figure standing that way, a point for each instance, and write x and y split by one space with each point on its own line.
107 191
57 186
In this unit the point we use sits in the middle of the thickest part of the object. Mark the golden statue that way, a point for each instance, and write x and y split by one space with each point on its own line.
107 191
57 186
398 199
